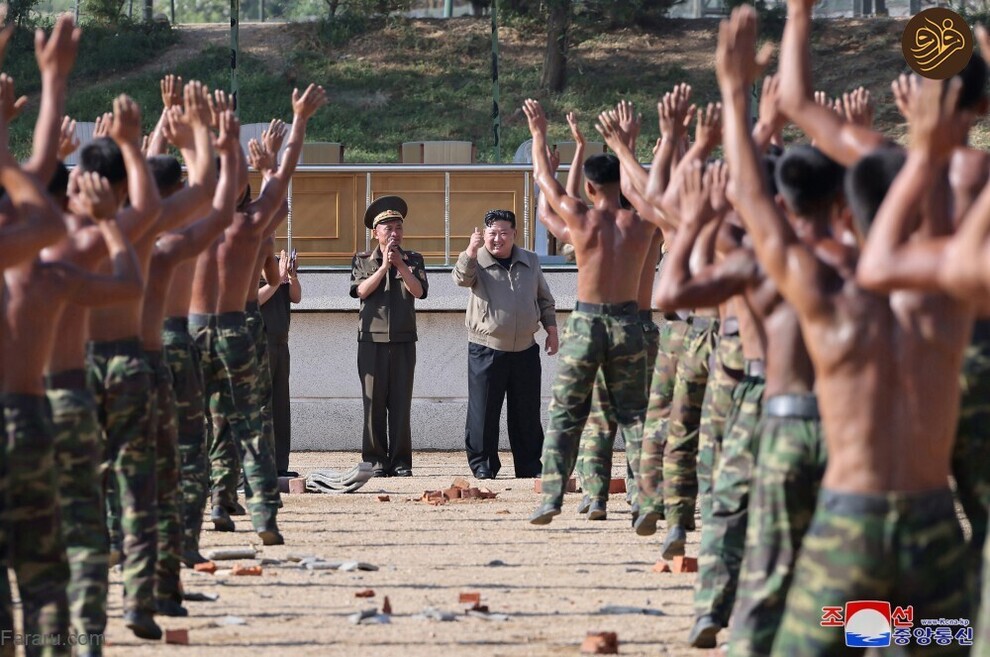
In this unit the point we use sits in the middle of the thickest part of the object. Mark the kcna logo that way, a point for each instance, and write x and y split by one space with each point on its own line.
937 43
867 624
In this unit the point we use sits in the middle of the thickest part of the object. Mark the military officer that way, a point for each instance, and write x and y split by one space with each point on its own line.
388 280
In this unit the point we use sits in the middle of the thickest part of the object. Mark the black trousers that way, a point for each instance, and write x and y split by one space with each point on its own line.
278 359
386 370
492 377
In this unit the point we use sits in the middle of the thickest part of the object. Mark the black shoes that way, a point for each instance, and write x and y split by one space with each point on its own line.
171 608
143 625
192 557
379 472
236 509
584 505
402 472
288 473
271 537
673 545
544 515
483 473
221 519
704 632
596 511
646 523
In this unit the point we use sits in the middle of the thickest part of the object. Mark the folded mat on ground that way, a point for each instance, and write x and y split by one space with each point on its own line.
334 482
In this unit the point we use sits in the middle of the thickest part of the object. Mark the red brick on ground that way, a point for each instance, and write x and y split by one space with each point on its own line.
600 643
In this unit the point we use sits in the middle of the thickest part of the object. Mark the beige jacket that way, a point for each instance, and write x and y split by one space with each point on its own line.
506 307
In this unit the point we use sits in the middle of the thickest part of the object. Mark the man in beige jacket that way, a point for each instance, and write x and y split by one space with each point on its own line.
509 300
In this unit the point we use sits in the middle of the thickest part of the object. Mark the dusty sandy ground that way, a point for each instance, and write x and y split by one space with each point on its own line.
554 581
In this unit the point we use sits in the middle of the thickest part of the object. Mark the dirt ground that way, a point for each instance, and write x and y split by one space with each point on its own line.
553 583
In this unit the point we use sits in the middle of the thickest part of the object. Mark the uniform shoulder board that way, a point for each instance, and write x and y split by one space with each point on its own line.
363 254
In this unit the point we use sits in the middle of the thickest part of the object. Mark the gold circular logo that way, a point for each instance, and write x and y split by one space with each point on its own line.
937 43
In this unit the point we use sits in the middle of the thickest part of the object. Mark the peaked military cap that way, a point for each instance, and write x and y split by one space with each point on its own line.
386 208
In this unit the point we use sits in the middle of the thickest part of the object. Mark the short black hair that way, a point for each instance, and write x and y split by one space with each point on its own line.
500 215
867 183
58 186
103 156
166 170
770 170
602 169
808 180
974 82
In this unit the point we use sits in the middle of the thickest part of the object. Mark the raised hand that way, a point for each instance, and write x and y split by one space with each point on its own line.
95 196
629 121
101 127
12 105
858 108
218 103
68 142
904 87
229 137
936 127
477 239
260 158
769 110
283 266
608 128
709 129
736 61
718 182
125 126
196 101
695 196
535 117
306 104
273 136
575 129
176 129
56 54
171 88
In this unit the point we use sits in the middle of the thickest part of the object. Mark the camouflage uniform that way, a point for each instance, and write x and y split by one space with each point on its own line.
724 537
598 439
80 472
649 479
607 337
256 327
789 472
905 548
971 453
167 586
187 376
726 371
120 377
34 548
680 455
229 373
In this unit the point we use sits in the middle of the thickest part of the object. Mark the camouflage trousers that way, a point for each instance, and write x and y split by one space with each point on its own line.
187 376
610 340
167 584
788 475
971 453
724 536
598 440
726 371
905 548
121 380
31 519
256 326
649 479
229 375
80 472
680 454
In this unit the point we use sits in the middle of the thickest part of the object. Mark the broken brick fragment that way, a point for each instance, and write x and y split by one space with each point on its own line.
205 567
461 482
297 486
246 570
685 565
178 637
471 598
616 486
477 606
367 593
571 487
386 607
600 643
452 493
384 498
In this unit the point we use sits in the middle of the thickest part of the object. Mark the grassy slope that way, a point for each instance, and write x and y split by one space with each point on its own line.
430 79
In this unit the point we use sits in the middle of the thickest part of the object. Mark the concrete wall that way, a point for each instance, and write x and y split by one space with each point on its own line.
326 392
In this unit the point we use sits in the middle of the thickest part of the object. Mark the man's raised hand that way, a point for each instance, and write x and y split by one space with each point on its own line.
68 142
196 98
936 127
857 107
608 128
305 105
475 244
56 54
535 117
12 105
737 63
176 129
576 135
904 87
171 88
125 126
273 136
95 196
260 158
696 195
770 114
709 130
629 121
229 137
218 103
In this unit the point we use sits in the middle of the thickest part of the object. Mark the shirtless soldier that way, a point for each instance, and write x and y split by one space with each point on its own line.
885 372
604 331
